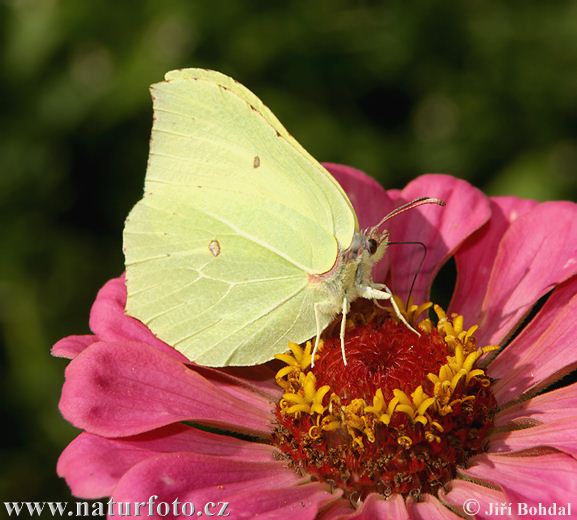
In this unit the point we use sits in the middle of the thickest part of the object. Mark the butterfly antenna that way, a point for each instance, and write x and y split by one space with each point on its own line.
409 205
421 262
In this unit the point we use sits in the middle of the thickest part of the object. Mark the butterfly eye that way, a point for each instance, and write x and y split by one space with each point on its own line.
373 245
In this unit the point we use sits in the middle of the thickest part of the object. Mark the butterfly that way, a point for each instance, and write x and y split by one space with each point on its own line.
242 241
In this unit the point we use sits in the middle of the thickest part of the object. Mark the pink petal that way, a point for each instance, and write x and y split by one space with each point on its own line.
545 350
109 322
368 197
196 478
70 346
475 258
558 434
544 479
299 502
243 382
123 388
545 408
429 508
377 506
538 252
441 229
338 510
93 465
467 497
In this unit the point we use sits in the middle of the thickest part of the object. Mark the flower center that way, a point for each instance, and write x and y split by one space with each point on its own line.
399 417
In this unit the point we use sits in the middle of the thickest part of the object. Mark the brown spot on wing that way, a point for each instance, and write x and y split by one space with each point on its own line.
214 248
256 161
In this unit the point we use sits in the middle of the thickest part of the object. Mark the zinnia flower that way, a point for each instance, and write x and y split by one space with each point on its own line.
413 427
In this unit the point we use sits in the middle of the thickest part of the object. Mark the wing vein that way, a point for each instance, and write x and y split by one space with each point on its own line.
239 232
252 320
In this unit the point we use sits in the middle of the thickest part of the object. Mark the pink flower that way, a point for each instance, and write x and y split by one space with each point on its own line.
137 399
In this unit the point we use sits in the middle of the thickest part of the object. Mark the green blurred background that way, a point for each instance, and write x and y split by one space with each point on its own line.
483 90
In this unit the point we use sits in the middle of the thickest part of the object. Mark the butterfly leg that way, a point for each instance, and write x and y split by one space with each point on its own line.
343 328
382 292
318 335
324 312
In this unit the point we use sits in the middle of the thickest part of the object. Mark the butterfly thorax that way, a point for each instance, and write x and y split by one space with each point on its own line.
353 267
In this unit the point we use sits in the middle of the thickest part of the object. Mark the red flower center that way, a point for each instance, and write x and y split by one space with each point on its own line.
400 417
381 354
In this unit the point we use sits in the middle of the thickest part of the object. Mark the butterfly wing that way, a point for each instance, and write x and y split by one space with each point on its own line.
235 218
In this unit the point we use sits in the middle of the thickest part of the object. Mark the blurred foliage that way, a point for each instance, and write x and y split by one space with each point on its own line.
484 90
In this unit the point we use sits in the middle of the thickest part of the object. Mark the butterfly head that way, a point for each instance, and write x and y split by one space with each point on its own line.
366 249
369 246
376 242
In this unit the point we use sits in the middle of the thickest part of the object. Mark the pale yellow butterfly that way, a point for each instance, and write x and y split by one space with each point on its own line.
242 241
